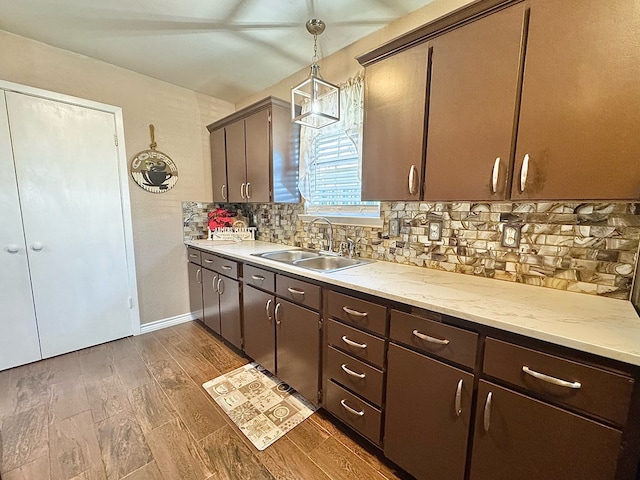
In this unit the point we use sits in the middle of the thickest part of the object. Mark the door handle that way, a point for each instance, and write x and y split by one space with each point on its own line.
267 306
524 172
242 190
494 175
246 190
199 275
459 398
12 248
213 284
487 412
276 314
223 191
413 173
37 246
220 284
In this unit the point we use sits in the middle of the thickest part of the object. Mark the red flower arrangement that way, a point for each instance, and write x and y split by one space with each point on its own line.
220 218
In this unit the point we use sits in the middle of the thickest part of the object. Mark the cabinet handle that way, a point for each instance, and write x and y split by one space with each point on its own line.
459 399
242 194
246 189
524 171
199 275
37 246
359 413
351 343
413 173
226 267
348 371
223 191
494 175
295 291
257 278
213 284
220 284
193 255
429 339
550 379
355 313
208 260
269 302
276 314
487 412
14 248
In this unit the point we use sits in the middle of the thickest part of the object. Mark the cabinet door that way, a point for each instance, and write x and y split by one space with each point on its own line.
258 148
259 327
394 118
519 437
195 290
218 165
68 172
236 162
298 348
19 343
428 415
580 98
211 300
230 325
472 108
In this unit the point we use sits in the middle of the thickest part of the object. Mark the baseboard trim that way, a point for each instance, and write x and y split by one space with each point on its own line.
165 322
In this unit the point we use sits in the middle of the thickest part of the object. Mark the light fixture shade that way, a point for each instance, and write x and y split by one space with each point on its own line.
315 102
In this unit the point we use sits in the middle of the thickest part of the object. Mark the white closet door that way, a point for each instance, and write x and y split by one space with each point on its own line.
18 332
67 170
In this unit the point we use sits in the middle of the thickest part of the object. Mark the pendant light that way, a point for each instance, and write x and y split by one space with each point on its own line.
315 102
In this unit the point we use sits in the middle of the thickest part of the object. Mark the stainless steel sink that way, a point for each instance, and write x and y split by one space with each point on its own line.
313 260
324 263
289 256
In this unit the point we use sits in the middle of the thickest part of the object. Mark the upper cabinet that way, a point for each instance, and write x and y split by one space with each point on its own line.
532 100
254 156
395 98
580 98
472 106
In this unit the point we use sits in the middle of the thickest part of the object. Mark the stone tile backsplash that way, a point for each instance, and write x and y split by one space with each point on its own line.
588 248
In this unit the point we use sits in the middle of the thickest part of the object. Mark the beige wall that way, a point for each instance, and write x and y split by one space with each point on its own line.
179 115
342 65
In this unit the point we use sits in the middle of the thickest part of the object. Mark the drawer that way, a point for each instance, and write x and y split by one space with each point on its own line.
436 338
360 313
602 393
356 342
298 291
226 267
259 278
353 411
357 376
194 256
209 261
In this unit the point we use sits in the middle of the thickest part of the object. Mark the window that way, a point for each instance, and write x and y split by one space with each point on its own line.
330 179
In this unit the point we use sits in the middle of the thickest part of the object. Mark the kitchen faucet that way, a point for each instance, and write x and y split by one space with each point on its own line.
324 219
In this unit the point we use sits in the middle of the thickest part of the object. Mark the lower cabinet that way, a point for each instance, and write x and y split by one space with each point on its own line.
518 437
428 414
298 347
195 290
259 329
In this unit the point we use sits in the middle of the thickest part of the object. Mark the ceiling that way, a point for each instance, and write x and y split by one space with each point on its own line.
228 49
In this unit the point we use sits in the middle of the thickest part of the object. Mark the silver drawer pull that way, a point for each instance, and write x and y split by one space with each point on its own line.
355 313
429 339
459 399
207 260
359 413
487 412
296 291
226 267
549 379
351 343
193 255
257 278
348 371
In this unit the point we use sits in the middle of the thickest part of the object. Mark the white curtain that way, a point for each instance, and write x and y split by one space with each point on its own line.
351 115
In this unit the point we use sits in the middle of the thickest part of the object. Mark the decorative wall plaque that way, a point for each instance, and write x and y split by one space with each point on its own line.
153 170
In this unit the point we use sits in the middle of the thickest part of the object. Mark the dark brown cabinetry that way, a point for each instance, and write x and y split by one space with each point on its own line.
221 298
526 100
259 324
194 270
394 117
428 415
519 437
580 94
353 373
472 107
255 151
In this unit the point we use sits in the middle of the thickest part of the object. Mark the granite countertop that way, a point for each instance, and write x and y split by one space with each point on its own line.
601 326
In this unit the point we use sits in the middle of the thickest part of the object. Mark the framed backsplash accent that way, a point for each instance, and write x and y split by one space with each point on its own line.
589 248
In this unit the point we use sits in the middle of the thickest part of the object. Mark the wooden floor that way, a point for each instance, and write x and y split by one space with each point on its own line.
135 409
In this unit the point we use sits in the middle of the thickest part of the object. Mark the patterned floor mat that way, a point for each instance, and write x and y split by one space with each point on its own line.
262 406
